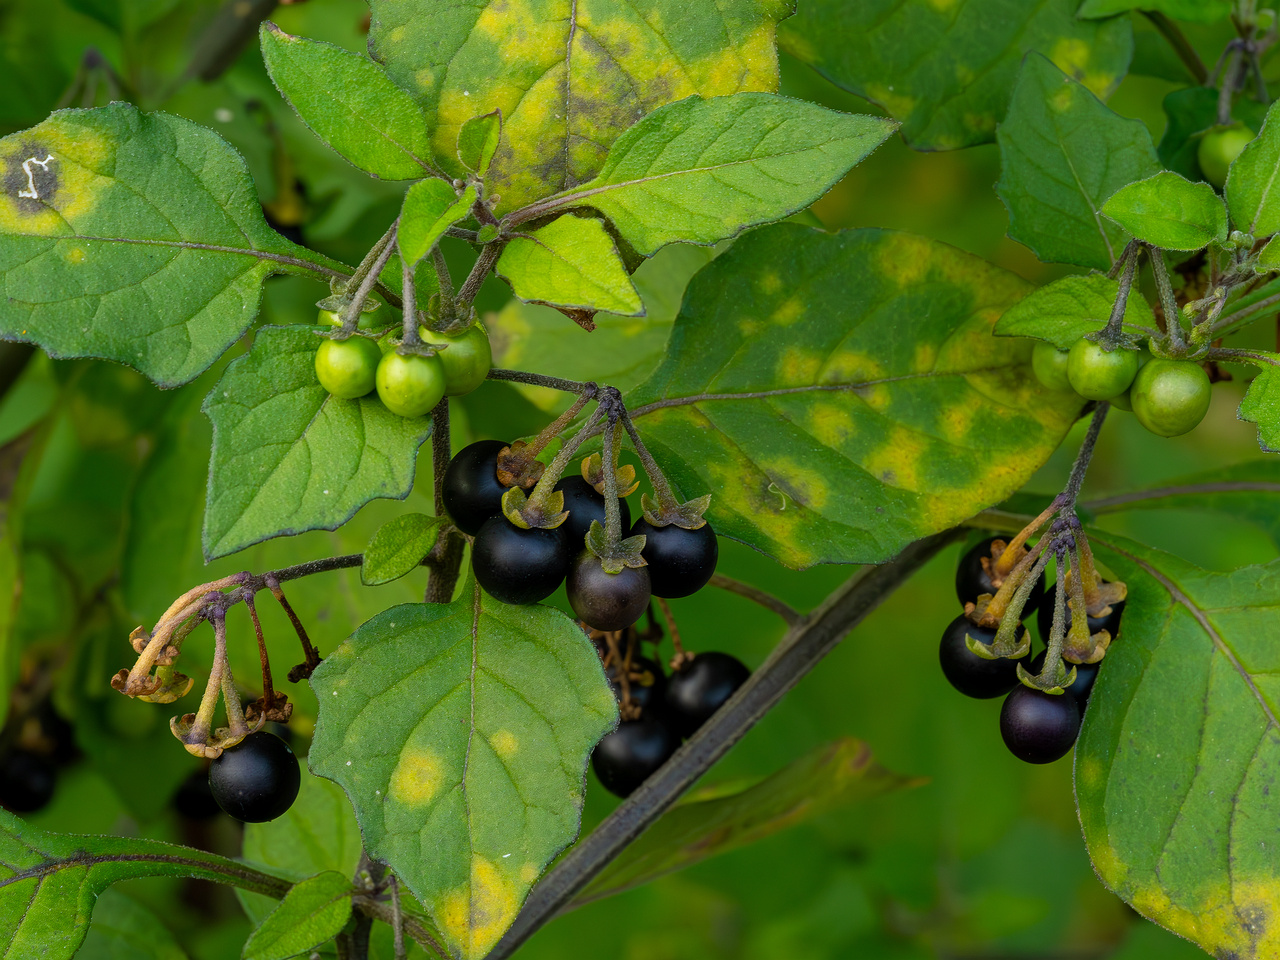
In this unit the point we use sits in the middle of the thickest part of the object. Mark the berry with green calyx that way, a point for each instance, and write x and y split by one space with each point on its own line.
1219 148
410 385
1039 727
1099 374
607 601
348 368
466 357
1171 397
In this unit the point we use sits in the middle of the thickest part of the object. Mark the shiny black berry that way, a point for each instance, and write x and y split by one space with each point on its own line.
972 675
972 580
1086 674
585 505
627 757
26 781
519 566
1039 727
256 780
646 683
680 561
1044 617
607 601
472 493
700 687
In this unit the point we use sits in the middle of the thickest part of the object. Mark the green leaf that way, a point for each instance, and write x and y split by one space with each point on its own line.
461 734
1064 311
826 778
288 457
1253 194
1169 211
49 881
1176 765
1269 257
1201 11
398 548
620 351
430 208
123 929
312 913
1247 491
144 242
946 70
842 395
704 170
568 79
349 103
571 262
1063 153
478 142
1261 405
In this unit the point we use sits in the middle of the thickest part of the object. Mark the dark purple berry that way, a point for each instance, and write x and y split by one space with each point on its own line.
972 580
256 780
972 675
471 491
1039 727
515 565
680 561
607 601
627 757
700 687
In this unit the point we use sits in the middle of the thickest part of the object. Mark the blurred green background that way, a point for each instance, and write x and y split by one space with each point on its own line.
983 859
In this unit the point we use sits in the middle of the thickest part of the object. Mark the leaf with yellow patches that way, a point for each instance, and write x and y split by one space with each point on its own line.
1177 764
881 412
569 76
134 237
461 733
947 69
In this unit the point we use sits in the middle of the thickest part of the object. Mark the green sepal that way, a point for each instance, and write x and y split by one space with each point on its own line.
987 651
517 508
614 557
687 515
1057 685
338 302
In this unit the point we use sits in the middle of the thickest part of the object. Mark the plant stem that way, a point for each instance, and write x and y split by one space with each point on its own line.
484 263
799 651
366 276
609 465
1111 334
766 600
444 575
442 274
546 485
1083 458
1168 302
1181 46
268 688
667 501
538 380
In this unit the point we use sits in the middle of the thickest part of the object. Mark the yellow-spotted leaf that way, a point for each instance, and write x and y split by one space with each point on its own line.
842 395
1176 769
568 75
461 733
571 262
134 237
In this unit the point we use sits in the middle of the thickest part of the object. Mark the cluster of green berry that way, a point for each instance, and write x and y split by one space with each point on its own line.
1037 726
1169 397
408 384
657 710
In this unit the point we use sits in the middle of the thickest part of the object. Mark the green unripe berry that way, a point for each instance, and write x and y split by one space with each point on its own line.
1218 150
466 360
347 368
410 385
1098 374
1170 397
1049 364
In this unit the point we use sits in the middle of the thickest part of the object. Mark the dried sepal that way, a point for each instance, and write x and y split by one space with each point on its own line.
593 473
279 711
518 466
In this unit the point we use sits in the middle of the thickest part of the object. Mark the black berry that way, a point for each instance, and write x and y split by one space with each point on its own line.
607 601
519 566
680 561
472 493
972 580
1039 727
972 675
585 505
700 687
1044 617
1086 674
256 780
26 781
627 757
646 683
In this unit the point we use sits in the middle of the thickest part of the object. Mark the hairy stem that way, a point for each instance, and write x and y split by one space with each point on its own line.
667 500
366 277
444 574
1115 325
766 600
1083 458
484 263
538 380
799 651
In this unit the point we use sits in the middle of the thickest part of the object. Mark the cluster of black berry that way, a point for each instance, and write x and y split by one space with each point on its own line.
525 564
36 745
1037 726
657 710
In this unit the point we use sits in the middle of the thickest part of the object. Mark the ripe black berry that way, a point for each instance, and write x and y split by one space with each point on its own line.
26 781
1086 674
585 505
256 780
680 561
516 565
969 673
700 687
646 683
627 757
972 580
472 493
607 601
1039 727
1044 617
